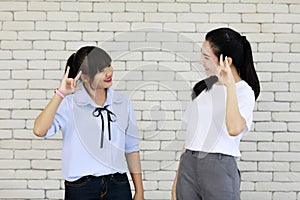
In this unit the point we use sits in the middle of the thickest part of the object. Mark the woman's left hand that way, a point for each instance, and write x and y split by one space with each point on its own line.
138 196
224 72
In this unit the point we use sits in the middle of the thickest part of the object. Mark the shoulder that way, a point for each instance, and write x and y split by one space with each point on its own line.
119 98
243 87
66 104
245 92
67 101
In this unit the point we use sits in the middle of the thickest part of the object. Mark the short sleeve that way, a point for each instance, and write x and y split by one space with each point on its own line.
59 119
187 113
246 101
132 135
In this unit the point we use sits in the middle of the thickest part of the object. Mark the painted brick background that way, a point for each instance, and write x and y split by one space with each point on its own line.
155 46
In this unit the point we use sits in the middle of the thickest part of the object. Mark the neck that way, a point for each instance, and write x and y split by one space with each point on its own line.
236 75
98 95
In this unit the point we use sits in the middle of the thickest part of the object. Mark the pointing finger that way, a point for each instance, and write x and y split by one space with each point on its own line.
226 62
78 76
67 73
221 60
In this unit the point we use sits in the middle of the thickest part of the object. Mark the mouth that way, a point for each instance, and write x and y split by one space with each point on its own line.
108 80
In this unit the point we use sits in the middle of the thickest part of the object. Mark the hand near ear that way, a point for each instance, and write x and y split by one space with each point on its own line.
224 71
68 85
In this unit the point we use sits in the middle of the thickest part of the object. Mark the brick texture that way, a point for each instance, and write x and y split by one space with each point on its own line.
156 52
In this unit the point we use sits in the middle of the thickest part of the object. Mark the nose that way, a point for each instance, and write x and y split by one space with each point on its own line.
201 60
108 71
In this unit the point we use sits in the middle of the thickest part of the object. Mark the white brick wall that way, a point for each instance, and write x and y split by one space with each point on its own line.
156 50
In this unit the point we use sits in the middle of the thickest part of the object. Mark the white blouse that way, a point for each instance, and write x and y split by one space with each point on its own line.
205 119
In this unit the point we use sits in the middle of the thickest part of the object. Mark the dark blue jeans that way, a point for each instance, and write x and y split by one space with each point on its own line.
108 187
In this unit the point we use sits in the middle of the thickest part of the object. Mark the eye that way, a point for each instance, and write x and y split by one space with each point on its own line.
204 55
104 68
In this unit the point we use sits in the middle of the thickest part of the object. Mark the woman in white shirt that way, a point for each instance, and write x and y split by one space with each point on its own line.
99 130
219 115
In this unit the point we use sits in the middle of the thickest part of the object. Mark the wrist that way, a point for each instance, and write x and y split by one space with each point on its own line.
139 190
139 194
59 93
230 85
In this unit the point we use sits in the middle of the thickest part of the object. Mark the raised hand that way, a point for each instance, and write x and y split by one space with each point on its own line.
224 72
68 85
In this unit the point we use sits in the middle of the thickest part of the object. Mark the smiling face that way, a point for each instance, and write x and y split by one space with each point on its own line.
95 64
103 79
208 59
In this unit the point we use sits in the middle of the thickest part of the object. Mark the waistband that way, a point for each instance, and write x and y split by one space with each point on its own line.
202 154
84 178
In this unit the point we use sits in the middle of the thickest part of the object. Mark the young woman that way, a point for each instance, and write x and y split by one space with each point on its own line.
99 130
219 115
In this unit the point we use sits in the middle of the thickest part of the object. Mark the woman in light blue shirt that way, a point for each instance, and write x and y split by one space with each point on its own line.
99 130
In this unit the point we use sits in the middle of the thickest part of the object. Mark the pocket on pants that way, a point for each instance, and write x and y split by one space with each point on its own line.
80 182
119 178
181 156
239 172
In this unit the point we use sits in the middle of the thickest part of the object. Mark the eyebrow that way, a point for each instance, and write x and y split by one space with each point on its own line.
204 53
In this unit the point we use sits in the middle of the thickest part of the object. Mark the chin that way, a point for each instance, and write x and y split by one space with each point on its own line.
209 74
108 85
104 86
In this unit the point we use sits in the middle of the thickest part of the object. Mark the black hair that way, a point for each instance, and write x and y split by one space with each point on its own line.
90 60
231 44
73 69
204 84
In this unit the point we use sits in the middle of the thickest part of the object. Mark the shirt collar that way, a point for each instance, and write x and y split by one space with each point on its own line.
82 98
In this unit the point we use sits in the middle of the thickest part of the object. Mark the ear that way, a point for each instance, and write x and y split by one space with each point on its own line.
84 78
229 61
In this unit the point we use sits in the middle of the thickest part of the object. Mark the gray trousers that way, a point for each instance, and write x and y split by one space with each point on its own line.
207 176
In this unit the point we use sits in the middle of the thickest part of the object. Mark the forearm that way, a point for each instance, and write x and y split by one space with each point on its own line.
44 121
235 123
137 182
134 166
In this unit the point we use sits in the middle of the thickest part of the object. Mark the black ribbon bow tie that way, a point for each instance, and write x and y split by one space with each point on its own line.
98 112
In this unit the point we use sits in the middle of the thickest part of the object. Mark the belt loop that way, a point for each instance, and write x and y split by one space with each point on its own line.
220 156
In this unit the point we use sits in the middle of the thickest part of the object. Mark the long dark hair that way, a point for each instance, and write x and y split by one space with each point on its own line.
90 60
231 44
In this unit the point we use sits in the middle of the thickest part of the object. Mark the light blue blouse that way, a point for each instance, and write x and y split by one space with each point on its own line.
82 154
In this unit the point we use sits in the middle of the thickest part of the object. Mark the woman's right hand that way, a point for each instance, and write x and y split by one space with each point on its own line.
68 85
